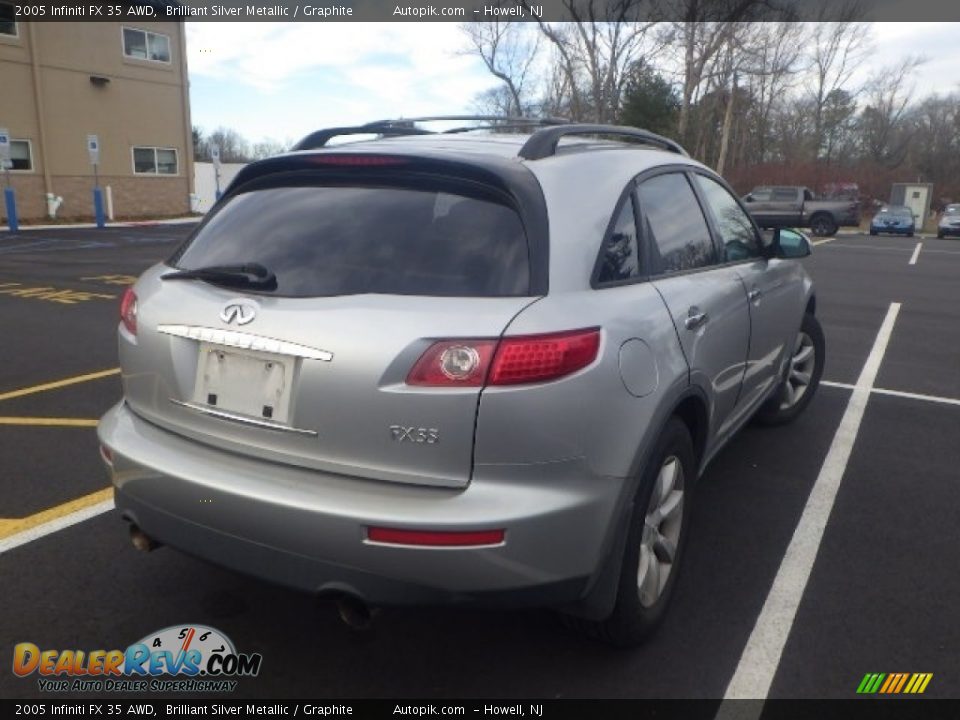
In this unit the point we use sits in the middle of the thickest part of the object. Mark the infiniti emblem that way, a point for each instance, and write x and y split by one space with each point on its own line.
240 312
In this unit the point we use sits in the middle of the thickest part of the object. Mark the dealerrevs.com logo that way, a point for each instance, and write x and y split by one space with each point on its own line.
180 658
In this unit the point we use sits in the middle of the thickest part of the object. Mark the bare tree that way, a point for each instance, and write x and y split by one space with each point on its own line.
233 146
883 123
771 70
268 147
838 49
509 51
595 56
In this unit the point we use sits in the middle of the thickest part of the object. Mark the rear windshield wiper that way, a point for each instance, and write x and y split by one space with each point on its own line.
248 275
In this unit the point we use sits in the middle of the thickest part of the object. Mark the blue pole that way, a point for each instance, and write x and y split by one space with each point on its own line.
11 200
98 207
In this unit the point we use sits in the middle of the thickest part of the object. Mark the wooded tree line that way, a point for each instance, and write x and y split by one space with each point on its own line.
234 148
760 101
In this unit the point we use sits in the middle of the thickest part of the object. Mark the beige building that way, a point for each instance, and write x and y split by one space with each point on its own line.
127 84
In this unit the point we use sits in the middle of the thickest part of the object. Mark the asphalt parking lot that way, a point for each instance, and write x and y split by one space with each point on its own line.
865 487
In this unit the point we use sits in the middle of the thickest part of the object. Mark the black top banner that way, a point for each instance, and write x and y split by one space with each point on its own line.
489 10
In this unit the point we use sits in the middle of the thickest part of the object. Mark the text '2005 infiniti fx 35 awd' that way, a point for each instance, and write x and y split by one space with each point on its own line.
479 368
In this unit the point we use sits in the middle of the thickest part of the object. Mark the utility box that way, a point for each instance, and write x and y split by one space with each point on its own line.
916 196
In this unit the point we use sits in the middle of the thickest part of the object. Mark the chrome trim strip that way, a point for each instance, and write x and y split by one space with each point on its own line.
245 341
243 419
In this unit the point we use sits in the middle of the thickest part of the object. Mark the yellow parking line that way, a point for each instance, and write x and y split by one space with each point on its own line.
58 384
16 525
48 422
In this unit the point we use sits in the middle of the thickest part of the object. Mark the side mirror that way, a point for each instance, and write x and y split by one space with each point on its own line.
790 244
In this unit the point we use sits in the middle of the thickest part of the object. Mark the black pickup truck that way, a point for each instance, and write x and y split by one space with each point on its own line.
793 206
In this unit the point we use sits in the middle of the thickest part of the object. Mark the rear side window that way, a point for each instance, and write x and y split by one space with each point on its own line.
675 224
332 240
621 256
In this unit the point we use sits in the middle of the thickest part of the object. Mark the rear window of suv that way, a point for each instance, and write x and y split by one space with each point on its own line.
342 240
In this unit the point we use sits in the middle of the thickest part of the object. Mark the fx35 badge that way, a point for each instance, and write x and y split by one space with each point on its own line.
402 433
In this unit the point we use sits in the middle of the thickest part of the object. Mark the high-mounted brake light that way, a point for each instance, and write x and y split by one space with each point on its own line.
435 538
128 311
358 160
509 361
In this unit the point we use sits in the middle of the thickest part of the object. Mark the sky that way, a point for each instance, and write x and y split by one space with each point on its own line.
283 80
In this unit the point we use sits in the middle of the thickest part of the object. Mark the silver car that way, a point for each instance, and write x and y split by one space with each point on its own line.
949 221
459 367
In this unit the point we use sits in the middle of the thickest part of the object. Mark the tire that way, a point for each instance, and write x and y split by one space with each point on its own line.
641 605
802 380
940 236
910 234
823 225
873 232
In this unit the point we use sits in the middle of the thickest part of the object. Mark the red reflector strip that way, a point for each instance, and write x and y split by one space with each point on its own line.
357 160
433 538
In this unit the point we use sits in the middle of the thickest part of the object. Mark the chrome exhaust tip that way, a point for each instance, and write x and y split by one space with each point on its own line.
141 541
354 612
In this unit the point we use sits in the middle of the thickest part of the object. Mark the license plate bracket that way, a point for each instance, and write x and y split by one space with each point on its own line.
251 383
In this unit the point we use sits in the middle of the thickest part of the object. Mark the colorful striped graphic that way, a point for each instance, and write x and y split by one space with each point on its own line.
894 683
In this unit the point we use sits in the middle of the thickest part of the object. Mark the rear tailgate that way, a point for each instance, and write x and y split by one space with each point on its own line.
312 373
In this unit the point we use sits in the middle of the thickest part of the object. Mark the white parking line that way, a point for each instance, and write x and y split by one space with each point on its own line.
761 656
916 254
897 393
825 240
52 526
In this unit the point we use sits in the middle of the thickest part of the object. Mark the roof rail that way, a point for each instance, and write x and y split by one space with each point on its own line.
505 119
406 126
320 138
543 143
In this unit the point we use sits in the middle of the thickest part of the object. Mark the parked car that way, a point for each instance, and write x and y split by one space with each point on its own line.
894 219
450 368
795 207
949 221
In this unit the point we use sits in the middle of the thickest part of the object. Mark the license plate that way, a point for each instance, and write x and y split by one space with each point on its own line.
248 383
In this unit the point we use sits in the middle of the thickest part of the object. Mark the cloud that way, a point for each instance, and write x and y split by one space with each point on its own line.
286 79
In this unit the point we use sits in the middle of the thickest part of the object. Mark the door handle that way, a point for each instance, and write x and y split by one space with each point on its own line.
695 318
754 294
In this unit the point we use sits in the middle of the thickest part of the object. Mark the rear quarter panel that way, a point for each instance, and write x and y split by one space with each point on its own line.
590 415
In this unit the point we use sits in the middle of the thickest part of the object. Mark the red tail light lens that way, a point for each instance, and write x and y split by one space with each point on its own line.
453 363
511 361
435 538
358 160
538 358
128 311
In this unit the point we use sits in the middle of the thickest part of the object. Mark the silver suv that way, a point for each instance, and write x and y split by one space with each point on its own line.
457 367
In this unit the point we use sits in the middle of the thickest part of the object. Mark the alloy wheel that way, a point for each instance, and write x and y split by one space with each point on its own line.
800 373
661 532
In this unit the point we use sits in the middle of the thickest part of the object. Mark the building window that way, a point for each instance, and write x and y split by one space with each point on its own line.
8 25
144 45
154 161
21 155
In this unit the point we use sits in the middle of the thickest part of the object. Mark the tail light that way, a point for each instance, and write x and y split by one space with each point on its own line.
509 361
128 311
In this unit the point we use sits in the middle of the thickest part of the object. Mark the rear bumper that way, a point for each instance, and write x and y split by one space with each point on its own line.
892 230
308 530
